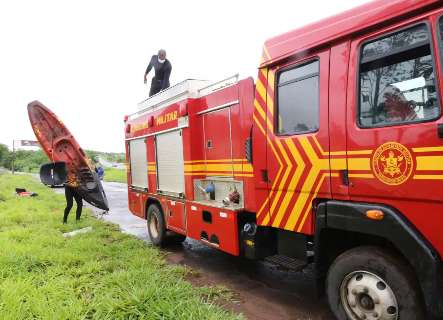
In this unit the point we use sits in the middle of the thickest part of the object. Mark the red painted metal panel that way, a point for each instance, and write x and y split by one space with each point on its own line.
162 119
217 133
337 118
175 214
418 153
298 164
260 151
135 204
342 25
223 227
152 167
242 128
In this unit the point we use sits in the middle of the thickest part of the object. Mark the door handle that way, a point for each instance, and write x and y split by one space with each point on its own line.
265 176
345 177
440 130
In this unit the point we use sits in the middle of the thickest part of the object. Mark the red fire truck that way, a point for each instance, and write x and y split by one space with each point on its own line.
334 156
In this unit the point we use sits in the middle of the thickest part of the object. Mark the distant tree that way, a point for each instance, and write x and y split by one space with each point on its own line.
29 161
4 155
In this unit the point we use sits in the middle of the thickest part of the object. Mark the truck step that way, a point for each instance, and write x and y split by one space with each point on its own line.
286 262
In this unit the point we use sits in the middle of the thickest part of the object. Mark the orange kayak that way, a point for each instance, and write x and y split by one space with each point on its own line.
60 146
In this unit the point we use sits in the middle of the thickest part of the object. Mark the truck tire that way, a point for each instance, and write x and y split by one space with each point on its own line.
370 283
156 225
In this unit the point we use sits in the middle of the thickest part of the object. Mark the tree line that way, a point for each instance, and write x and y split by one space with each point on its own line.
31 160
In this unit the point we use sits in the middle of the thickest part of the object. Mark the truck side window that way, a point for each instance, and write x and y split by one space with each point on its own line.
397 79
297 99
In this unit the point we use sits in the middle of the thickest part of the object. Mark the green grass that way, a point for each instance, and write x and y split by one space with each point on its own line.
115 175
103 274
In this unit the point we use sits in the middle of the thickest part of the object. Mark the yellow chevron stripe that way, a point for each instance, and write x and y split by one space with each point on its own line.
322 164
218 174
321 149
267 198
428 149
428 177
261 90
151 167
278 174
308 209
215 161
259 110
270 126
359 164
430 163
359 152
363 176
279 189
280 169
294 181
317 166
218 167
340 153
270 101
338 164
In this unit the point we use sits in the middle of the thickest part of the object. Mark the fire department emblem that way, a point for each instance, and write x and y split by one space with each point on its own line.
392 163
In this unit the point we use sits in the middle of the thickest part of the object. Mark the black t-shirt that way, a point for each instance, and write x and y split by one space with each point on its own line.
162 71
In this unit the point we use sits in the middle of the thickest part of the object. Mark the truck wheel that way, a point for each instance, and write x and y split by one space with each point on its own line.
156 225
372 284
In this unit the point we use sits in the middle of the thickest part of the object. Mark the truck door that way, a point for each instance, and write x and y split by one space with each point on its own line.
298 143
395 141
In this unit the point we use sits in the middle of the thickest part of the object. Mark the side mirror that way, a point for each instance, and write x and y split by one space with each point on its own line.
53 174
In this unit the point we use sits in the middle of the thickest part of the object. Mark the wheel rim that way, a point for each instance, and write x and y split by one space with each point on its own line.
153 226
366 296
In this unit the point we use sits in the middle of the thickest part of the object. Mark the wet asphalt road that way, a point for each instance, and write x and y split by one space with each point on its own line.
260 291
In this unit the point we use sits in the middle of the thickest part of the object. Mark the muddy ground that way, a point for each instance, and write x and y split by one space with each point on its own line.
261 292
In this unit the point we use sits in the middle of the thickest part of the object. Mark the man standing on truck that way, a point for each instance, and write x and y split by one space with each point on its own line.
162 68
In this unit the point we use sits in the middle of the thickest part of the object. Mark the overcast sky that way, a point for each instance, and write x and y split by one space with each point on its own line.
85 59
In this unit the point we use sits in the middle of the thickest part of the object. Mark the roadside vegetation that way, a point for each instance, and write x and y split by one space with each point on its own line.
115 175
103 274
31 160
22 160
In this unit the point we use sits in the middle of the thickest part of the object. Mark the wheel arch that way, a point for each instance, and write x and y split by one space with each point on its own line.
341 226
150 201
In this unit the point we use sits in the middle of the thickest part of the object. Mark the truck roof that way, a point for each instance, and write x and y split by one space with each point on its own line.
187 89
339 26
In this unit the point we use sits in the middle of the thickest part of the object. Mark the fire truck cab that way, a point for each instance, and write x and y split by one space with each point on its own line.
334 156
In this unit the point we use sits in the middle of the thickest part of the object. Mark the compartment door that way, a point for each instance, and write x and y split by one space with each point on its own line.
170 166
218 143
138 163
176 216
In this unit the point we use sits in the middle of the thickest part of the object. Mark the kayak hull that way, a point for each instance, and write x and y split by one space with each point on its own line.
60 146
